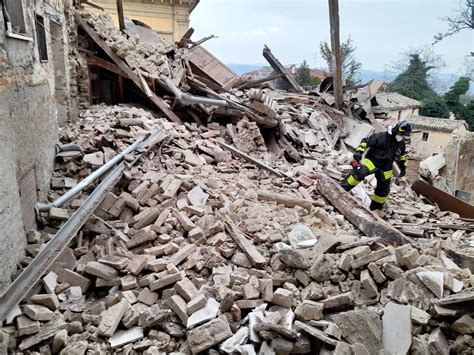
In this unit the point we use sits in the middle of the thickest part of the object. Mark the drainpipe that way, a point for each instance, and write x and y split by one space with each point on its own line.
187 99
6 16
46 257
88 180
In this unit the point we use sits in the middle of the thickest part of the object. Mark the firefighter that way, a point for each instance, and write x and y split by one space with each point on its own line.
382 149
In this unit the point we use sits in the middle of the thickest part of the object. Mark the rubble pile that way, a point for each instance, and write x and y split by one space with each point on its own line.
195 250
149 60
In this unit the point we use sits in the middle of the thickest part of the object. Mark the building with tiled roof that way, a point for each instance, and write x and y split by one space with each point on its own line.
431 134
436 124
394 105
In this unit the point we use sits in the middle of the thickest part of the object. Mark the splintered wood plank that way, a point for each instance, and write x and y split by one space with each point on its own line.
245 244
364 220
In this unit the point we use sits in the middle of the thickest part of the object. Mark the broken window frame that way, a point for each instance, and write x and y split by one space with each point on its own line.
41 42
15 9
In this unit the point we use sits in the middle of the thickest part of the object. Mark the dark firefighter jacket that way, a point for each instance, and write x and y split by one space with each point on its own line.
384 150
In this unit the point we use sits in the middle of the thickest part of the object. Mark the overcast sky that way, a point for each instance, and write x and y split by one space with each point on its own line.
293 29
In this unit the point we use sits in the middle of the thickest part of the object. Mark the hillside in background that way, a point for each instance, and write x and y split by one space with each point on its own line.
441 82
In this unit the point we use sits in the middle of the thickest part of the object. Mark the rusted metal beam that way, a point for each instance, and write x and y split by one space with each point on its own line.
367 222
445 201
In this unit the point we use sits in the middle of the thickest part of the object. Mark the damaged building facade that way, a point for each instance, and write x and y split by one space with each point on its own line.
169 18
33 103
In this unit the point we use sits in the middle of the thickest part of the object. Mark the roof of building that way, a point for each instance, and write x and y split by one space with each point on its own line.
394 101
436 124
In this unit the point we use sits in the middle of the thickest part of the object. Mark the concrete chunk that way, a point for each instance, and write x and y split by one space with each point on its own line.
208 335
209 311
434 281
437 343
362 326
197 197
396 328
50 281
123 337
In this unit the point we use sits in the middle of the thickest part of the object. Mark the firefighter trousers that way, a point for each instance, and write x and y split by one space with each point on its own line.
384 178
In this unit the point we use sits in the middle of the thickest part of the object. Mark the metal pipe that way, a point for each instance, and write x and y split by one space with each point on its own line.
88 180
20 287
188 99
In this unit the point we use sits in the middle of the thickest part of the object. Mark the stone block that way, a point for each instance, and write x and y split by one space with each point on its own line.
166 281
27 326
197 303
101 270
310 310
266 289
48 300
74 279
37 312
208 335
50 281
186 289
377 274
372 257
322 268
147 297
283 297
370 289
178 305
337 301
111 318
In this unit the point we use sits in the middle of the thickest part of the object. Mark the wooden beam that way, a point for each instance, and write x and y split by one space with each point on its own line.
105 64
121 18
157 101
244 156
367 222
336 50
92 5
279 68
186 38
245 244
288 201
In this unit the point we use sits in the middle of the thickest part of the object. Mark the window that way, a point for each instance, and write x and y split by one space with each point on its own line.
41 38
425 136
399 115
16 16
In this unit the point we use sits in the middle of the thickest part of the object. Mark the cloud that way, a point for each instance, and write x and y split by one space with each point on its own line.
264 31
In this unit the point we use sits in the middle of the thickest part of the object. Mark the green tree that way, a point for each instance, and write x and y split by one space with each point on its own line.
467 114
350 65
413 82
464 20
303 74
435 107
453 96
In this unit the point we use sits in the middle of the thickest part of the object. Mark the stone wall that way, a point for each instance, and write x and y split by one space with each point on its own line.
459 170
29 118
